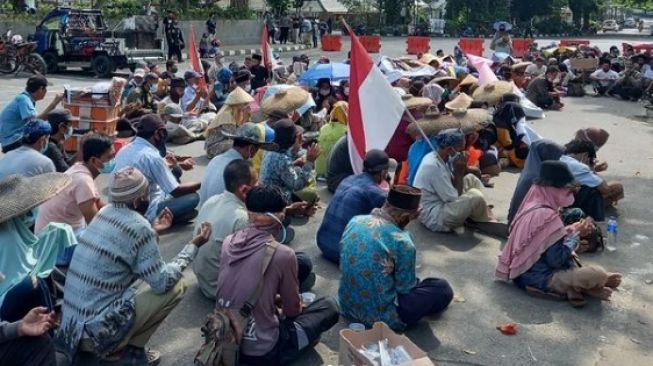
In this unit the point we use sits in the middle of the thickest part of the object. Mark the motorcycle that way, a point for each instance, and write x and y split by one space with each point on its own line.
16 56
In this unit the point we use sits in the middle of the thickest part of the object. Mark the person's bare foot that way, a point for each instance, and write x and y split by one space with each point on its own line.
604 293
614 280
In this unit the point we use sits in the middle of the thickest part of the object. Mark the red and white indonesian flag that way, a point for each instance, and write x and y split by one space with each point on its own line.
268 58
375 109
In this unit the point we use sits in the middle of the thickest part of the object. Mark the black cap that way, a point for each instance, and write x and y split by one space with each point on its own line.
60 115
177 83
150 123
555 173
257 57
242 76
404 197
376 161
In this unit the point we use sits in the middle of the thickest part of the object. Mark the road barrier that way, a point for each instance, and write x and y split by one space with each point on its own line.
372 44
520 46
331 43
573 42
416 45
472 46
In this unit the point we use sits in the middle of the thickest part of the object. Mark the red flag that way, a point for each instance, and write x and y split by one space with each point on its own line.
194 57
375 109
268 58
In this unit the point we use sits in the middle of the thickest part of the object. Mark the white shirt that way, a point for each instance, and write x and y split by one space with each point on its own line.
534 70
434 178
25 161
604 77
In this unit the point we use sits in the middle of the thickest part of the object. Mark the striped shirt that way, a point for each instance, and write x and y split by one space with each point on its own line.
117 248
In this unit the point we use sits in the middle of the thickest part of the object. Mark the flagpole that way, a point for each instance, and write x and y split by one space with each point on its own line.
420 129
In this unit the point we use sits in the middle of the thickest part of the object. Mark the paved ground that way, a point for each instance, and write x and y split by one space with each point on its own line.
550 333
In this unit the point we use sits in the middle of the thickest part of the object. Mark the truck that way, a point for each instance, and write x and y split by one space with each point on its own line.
72 37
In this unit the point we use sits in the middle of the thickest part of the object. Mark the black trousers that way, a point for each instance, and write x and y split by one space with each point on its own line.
175 51
591 201
283 36
28 351
429 297
317 318
627 92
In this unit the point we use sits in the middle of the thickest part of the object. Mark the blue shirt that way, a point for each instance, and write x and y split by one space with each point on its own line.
13 117
582 172
25 161
377 262
142 155
213 182
356 195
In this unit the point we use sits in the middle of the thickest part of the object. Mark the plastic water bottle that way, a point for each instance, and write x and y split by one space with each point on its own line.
613 229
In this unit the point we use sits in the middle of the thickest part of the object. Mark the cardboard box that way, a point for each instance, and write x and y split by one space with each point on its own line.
585 64
351 341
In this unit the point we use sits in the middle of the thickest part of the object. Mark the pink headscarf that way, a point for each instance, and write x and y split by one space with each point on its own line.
533 231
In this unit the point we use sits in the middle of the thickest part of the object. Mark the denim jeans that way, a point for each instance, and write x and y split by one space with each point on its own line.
27 294
182 207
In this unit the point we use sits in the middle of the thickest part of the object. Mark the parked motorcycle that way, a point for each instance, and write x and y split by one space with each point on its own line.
16 56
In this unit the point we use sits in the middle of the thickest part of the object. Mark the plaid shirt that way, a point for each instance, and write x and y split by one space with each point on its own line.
356 195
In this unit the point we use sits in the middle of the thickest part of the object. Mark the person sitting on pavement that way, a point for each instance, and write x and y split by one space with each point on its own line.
260 73
143 94
226 212
177 86
21 110
377 261
295 177
268 338
356 195
135 81
78 204
249 139
107 310
26 341
219 78
195 98
537 69
330 133
595 193
272 118
242 79
61 124
338 165
145 154
28 160
235 111
26 259
539 254
603 79
630 85
450 199
180 132
541 92
598 137
171 67
540 151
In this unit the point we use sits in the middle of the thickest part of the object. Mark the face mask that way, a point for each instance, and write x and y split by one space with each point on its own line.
325 92
154 88
108 167
45 147
455 156
68 133
138 82
248 88
282 236
346 91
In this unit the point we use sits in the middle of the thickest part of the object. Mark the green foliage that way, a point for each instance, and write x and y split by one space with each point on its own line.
279 6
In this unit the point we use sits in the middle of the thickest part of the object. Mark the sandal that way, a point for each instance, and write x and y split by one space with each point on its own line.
547 295
133 356
576 299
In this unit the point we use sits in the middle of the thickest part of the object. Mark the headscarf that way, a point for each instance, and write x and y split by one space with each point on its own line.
595 135
534 230
433 92
450 137
340 112
540 151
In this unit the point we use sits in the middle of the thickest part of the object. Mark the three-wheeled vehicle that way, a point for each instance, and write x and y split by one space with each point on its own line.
70 37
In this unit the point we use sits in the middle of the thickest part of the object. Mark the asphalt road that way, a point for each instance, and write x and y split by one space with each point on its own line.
549 333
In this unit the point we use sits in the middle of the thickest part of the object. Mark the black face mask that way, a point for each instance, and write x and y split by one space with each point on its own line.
161 143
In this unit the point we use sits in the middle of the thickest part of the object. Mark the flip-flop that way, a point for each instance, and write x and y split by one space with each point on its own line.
496 229
576 299
547 295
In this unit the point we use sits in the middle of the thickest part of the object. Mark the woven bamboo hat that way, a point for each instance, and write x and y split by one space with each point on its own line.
521 65
440 79
461 101
238 96
411 101
286 100
492 92
469 80
469 120
20 194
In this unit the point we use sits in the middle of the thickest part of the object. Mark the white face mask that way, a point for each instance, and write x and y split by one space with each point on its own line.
346 90
325 92
248 88
68 133
154 88
282 237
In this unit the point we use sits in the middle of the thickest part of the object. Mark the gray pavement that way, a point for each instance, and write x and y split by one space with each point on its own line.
549 333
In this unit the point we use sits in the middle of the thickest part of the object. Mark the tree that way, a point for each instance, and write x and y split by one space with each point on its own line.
582 11
524 10
278 6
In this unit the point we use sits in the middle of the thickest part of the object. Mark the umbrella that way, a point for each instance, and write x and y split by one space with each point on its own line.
498 25
333 71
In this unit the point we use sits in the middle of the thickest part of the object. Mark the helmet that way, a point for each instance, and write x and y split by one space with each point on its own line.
16 39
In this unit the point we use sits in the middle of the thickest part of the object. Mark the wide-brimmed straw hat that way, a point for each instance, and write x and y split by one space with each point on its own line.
427 58
411 101
521 65
492 92
238 96
20 194
461 101
469 120
286 100
440 79
469 80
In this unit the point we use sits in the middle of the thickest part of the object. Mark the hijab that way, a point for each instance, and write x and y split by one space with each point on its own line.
540 151
534 230
508 114
339 113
